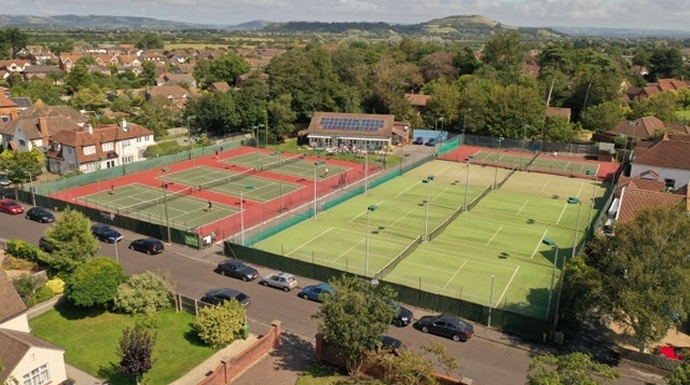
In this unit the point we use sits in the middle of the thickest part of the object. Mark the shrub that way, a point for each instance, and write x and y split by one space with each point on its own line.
44 293
26 251
95 282
143 293
13 263
26 287
219 325
56 285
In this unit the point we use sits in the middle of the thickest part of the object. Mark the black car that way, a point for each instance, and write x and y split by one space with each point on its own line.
403 315
149 246
39 214
218 296
392 345
106 233
447 326
237 269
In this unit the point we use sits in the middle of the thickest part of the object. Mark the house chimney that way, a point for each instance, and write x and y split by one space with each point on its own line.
43 129
123 124
88 128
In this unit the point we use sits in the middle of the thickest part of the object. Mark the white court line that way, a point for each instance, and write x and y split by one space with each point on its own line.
538 244
348 250
508 285
401 218
405 190
309 241
523 206
456 273
379 203
565 205
495 234
545 184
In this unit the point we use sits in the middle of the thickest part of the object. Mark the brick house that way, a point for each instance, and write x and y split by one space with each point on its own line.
91 148
175 93
26 358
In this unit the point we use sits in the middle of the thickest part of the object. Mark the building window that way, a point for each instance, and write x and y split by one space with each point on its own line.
22 142
89 150
110 163
5 118
38 376
69 150
107 146
139 139
125 143
127 159
670 183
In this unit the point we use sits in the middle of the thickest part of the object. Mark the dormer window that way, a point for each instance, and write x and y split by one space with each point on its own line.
89 150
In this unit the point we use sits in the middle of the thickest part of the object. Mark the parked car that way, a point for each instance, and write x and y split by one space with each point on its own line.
447 326
10 206
45 245
105 233
5 181
314 292
149 246
418 140
283 281
237 269
39 214
431 142
673 352
391 345
403 316
218 296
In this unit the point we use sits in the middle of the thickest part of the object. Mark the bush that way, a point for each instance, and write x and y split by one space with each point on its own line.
56 285
26 287
219 325
26 251
44 293
14 263
95 282
143 293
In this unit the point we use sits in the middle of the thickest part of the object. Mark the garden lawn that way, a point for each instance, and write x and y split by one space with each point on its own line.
91 338
318 373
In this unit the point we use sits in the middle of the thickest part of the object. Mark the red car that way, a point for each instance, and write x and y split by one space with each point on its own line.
673 352
11 207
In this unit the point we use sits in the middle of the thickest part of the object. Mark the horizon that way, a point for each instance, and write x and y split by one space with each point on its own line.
582 14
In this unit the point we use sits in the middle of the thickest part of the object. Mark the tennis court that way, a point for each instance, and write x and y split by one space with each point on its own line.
504 159
232 183
541 162
288 164
148 203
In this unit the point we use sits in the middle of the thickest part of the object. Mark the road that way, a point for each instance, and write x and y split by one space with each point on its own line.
482 358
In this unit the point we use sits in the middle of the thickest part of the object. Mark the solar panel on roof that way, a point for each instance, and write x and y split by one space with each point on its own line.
329 123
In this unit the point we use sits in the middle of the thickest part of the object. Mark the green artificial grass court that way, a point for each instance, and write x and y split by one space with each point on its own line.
501 237
184 211
90 339
232 183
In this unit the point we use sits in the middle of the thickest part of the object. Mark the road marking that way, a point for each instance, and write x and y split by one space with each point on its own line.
538 244
495 234
508 285
309 241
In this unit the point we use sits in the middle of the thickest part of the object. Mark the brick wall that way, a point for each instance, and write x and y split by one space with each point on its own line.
230 368
329 353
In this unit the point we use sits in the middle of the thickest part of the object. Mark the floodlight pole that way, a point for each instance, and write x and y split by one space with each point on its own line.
491 299
524 139
427 181
499 140
366 255
467 180
117 254
577 227
594 193
316 166
248 187
551 243
266 127
280 209
189 133
165 204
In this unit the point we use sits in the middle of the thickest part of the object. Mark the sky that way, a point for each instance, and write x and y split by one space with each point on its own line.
640 14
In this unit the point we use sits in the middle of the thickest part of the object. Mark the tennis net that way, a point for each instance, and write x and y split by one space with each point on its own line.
155 202
283 162
394 263
227 179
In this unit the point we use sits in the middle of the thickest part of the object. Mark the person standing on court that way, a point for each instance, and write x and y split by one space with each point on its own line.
210 206
325 172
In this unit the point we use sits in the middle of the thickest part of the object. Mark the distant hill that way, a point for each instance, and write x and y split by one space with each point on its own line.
93 22
622 32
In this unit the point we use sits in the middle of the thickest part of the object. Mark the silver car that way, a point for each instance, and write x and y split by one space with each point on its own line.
283 281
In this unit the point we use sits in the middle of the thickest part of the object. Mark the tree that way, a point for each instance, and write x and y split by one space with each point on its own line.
666 62
282 116
438 65
225 68
89 98
144 293
680 375
150 40
39 89
634 275
71 241
148 73
219 325
158 114
571 369
21 165
466 61
558 130
445 102
504 52
78 78
412 368
135 351
216 113
14 40
95 282
602 117
354 317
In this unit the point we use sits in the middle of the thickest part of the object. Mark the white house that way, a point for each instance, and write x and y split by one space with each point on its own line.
668 159
26 358
334 129
92 148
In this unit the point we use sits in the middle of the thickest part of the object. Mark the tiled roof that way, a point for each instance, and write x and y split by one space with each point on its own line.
31 127
634 200
418 99
220 86
5 102
674 154
23 102
173 91
315 125
41 69
12 304
641 128
14 345
639 184
40 109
